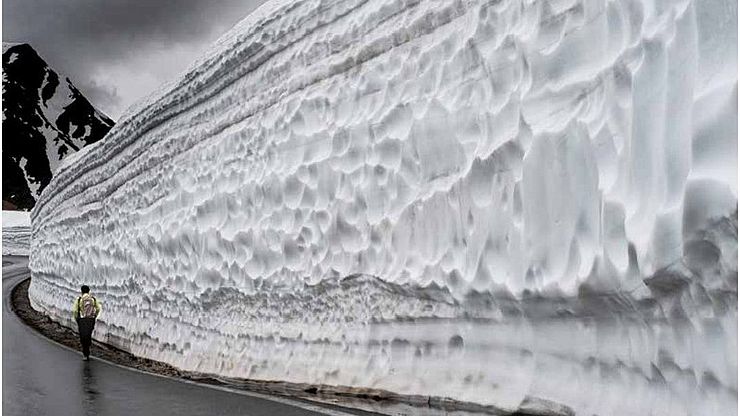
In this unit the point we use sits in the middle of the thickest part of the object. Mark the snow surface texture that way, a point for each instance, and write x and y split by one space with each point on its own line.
16 233
480 200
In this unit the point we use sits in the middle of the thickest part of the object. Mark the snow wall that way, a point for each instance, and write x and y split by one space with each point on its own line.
489 201
16 233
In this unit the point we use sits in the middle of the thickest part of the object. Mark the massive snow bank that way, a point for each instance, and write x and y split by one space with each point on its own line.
481 200
16 233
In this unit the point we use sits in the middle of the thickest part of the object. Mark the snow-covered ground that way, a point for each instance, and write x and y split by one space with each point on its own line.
480 200
16 232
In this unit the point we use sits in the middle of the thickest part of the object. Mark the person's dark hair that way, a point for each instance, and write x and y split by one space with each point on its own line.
85 289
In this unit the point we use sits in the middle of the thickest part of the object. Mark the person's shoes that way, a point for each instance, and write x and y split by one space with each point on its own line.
85 358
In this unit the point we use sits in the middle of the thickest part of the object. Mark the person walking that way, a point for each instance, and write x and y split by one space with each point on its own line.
85 310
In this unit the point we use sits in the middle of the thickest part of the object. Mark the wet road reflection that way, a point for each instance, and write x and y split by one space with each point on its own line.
88 388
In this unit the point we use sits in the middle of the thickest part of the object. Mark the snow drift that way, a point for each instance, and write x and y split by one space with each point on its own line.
490 201
16 233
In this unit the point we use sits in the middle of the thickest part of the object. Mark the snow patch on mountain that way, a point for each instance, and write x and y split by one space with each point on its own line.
474 200
32 185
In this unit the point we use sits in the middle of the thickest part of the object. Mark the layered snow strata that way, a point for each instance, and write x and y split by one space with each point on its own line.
16 233
488 201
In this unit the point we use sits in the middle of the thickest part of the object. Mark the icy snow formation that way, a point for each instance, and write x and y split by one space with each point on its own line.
16 233
491 201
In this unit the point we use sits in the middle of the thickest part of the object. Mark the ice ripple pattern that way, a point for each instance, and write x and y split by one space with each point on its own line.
482 200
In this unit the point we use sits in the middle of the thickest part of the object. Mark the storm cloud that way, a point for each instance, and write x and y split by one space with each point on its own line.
117 51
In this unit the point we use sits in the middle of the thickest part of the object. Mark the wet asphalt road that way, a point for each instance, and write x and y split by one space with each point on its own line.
42 378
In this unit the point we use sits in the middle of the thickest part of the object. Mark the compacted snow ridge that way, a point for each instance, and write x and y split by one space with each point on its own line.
16 233
481 200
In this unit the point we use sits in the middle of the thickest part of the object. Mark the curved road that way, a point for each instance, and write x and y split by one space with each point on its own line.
43 378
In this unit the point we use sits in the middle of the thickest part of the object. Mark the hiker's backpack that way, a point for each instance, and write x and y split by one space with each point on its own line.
87 307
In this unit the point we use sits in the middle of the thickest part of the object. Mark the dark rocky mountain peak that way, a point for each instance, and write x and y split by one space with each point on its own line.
45 119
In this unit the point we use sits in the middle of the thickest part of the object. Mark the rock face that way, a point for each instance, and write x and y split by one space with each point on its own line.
45 118
486 201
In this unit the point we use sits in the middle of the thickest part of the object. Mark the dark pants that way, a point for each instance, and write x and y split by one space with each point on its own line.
86 326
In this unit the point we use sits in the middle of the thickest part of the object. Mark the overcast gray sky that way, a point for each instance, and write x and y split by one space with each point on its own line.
117 51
